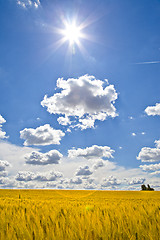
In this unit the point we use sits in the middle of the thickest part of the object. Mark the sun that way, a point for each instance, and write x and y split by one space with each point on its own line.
72 33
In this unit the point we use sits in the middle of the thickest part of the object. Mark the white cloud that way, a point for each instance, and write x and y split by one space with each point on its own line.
36 5
14 155
83 171
2 120
38 175
64 121
153 110
42 177
91 152
155 173
38 158
130 117
51 185
150 62
86 123
43 135
2 133
157 143
107 81
87 179
3 173
8 183
133 134
111 181
134 181
68 130
3 165
150 167
89 186
84 98
82 182
29 3
31 185
48 176
149 154
25 176
76 180
99 164
22 4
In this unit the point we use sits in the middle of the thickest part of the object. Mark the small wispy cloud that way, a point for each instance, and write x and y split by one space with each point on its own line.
143 133
133 134
150 62
130 117
29 3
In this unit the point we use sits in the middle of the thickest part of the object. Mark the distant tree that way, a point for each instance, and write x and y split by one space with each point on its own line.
143 187
148 188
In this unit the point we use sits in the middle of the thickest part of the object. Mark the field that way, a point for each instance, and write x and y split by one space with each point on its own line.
75 215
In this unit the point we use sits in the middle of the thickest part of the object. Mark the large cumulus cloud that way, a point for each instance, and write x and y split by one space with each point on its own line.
150 167
92 152
148 154
83 98
43 135
38 158
31 176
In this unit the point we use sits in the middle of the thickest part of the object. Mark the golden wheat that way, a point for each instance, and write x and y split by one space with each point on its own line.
72 215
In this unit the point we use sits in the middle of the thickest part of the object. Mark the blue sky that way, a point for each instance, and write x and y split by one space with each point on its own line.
102 94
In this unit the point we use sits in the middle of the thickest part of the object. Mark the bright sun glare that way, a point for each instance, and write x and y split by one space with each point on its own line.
72 33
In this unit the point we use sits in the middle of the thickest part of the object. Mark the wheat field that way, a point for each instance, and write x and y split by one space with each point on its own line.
73 214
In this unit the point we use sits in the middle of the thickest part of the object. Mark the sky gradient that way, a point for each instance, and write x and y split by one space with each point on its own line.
80 115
